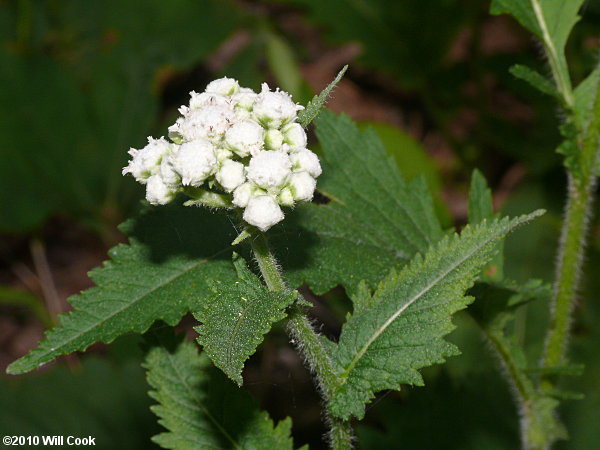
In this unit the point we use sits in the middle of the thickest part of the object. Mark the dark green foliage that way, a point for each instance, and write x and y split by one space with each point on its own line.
162 274
199 407
374 215
236 317
399 330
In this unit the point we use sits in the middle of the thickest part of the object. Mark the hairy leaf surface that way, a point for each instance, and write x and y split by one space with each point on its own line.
237 316
374 220
200 408
314 107
400 328
161 274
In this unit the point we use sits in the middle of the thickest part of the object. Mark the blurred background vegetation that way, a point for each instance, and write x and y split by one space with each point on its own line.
82 81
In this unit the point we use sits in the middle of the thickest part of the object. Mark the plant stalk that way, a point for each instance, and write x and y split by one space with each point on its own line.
573 240
306 339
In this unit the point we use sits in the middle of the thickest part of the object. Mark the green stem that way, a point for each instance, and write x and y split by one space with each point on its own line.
573 240
532 432
302 331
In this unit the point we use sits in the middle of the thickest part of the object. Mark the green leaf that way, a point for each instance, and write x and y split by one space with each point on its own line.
283 64
551 21
200 408
400 329
161 274
481 208
314 107
584 95
235 319
375 220
535 79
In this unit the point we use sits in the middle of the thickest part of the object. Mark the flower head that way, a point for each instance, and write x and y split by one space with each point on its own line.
244 146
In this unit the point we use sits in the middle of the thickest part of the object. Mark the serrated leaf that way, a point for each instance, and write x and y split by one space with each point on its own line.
314 107
236 318
557 19
400 331
481 207
162 274
375 220
200 408
551 21
535 79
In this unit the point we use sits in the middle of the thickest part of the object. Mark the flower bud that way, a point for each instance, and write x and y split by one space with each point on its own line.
146 162
223 86
273 139
194 162
294 135
205 99
263 212
269 169
230 175
302 186
274 109
304 159
245 138
157 192
286 197
242 194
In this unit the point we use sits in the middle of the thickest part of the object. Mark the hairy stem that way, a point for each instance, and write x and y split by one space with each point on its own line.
533 435
573 239
307 340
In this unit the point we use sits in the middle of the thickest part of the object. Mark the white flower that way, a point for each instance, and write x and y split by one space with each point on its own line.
302 186
294 135
167 173
269 169
273 139
263 212
186 130
274 109
214 120
244 99
242 194
223 86
245 138
146 162
157 192
194 162
230 175
205 99
304 159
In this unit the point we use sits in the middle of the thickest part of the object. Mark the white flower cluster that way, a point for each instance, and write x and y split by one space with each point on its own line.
235 142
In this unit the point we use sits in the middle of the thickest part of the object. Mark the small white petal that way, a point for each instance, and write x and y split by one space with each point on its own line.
269 169
263 212
157 192
223 86
245 138
304 159
195 161
302 186
231 175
